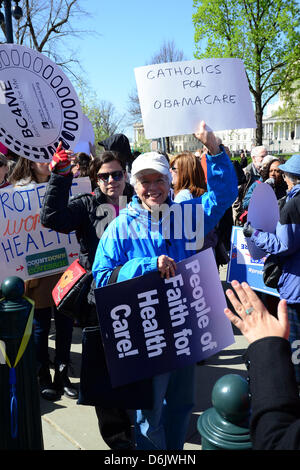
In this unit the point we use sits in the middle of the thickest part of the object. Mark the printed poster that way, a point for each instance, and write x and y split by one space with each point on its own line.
151 325
27 249
243 267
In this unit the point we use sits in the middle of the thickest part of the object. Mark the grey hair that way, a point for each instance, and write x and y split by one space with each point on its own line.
134 179
294 178
256 150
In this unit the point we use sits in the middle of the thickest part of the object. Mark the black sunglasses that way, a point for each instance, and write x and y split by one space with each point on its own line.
116 176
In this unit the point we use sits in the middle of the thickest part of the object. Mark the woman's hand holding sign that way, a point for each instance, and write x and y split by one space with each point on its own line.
208 138
61 161
166 266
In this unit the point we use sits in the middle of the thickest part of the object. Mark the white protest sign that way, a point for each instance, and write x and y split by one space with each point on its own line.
174 97
263 214
87 137
38 104
27 249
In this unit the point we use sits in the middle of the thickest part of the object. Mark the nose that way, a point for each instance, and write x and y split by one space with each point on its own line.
153 184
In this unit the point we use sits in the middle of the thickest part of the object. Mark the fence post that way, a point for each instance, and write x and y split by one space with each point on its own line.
21 426
225 426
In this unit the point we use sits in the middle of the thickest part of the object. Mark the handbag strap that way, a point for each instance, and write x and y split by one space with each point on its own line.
114 275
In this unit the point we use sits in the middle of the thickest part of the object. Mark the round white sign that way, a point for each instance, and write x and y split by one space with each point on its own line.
38 104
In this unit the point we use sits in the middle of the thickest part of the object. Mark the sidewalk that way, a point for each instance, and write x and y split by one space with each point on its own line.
68 426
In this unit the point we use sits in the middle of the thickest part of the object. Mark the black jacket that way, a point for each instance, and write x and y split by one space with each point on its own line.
275 418
80 213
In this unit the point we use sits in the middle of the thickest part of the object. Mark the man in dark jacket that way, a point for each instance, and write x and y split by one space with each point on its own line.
119 143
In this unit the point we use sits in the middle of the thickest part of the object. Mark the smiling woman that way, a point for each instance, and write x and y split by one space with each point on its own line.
151 179
164 425
111 179
152 189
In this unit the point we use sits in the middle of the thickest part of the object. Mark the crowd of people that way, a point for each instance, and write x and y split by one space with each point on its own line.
163 404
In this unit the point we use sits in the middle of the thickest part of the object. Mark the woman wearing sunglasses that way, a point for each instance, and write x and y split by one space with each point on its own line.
163 425
88 215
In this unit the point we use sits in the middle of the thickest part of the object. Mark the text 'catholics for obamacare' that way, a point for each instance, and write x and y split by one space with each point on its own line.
197 82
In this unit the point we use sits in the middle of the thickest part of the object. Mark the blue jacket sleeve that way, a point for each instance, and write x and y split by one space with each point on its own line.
113 251
285 241
248 195
111 255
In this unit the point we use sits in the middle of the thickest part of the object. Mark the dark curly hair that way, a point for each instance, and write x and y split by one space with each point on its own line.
266 169
105 157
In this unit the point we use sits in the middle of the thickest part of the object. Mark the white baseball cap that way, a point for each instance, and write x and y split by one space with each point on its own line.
151 161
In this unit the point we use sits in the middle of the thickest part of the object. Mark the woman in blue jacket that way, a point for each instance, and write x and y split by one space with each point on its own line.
140 241
285 242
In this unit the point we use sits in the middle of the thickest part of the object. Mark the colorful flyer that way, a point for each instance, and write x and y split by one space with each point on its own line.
243 267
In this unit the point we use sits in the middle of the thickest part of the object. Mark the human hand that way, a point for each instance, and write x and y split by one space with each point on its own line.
248 230
166 266
258 322
208 139
61 161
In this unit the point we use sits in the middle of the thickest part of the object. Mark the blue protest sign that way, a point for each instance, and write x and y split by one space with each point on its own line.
242 267
151 325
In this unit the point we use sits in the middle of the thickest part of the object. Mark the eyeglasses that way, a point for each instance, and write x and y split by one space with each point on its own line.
173 168
116 176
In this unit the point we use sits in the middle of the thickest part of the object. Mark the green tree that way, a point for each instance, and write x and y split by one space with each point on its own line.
290 107
263 33
101 114
168 52
48 26
143 145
